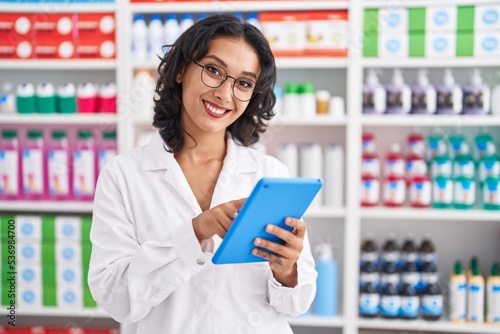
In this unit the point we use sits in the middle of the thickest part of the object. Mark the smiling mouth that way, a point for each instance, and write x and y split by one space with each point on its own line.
214 110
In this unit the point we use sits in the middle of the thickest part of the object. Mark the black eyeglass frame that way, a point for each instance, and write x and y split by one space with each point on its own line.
223 81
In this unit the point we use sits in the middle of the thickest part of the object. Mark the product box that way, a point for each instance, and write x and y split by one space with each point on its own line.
16 36
29 251
487 17
286 32
393 19
441 18
393 45
29 275
28 227
69 297
327 33
68 253
69 276
28 298
68 228
96 36
440 44
54 36
487 43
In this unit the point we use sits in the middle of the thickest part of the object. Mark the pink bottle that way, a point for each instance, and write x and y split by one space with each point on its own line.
370 190
415 161
58 167
86 98
33 167
107 149
10 166
394 190
107 98
394 161
415 142
420 188
84 167
370 163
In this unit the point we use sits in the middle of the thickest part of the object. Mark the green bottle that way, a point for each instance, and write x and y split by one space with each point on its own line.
464 192
432 143
491 193
442 192
489 164
455 142
441 164
481 142
463 165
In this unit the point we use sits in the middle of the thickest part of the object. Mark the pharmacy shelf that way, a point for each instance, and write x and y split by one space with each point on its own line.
60 312
56 8
316 321
63 119
59 64
422 326
430 120
430 62
421 3
325 212
235 6
313 121
428 214
46 206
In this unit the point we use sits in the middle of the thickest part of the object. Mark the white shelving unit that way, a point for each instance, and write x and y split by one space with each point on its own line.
352 219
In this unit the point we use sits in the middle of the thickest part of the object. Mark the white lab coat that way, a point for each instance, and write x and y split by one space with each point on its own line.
148 270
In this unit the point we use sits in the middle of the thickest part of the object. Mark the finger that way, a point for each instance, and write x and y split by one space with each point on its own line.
299 226
238 203
274 247
285 235
272 258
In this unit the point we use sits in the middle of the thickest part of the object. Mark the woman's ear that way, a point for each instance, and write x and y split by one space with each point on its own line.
180 75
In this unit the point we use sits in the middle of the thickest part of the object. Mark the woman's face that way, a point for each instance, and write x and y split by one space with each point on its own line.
212 110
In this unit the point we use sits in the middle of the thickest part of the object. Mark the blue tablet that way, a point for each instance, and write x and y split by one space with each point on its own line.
271 201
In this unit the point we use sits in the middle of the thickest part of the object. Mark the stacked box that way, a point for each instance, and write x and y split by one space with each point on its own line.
16 36
96 36
54 36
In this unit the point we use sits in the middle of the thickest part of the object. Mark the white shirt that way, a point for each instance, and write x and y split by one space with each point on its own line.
147 268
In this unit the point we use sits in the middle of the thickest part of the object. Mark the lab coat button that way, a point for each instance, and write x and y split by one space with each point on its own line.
200 261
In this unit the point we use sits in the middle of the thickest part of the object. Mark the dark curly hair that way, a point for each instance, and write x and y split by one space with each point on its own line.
192 45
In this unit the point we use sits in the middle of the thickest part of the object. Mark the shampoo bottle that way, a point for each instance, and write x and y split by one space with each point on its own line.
449 96
476 98
423 99
458 294
398 95
475 298
374 95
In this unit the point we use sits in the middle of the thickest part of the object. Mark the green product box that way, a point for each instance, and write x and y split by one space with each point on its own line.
465 18
465 44
417 20
417 44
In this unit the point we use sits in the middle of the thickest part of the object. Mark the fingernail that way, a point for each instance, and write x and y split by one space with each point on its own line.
288 221
258 241
254 251
269 228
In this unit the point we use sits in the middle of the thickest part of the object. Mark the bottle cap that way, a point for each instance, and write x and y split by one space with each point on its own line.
9 133
448 78
34 134
323 251
397 78
109 134
202 16
239 16
84 134
458 268
107 90
323 95
58 134
423 80
86 90
45 89
187 16
25 89
138 17
155 17
474 261
171 17
291 87
495 269
307 87
475 270
372 78
253 16
66 90
476 79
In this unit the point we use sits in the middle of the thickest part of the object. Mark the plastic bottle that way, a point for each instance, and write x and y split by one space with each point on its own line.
423 95
84 167
432 299
186 22
291 100
368 273
493 295
155 37
475 296
325 303
369 250
495 101
458 294
307 99
427 250
66 98
441 164
33 166
489 165
449 96
410 274
25 98
491 193
253 19
476 97
442 192
390 250
432 143
463 165
202 16
420 191
409 250
390 300
369 301
394 161
10 166
455 142
367 141
278 106
171 31
370 163
427 269
415 163
464 192
398 95
107 150
139 38
415 141
58 166
394 191
481 143
374 95
45 98
106 98
410 301
7 99
86 97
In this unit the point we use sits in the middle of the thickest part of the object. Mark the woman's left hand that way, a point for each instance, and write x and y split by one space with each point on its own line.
283 258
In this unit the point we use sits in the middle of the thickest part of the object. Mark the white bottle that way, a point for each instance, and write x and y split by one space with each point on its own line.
253 19
186 22
7 99
139 38
398 95
171 31
155 37
449 96
475 296
476 97
374 95
423 95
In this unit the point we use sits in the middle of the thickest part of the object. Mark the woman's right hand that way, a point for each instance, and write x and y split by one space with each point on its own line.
216 220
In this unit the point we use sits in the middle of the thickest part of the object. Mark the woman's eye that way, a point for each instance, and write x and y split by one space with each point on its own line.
213 70
245 84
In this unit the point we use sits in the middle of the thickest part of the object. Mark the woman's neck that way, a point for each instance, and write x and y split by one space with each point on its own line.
210 147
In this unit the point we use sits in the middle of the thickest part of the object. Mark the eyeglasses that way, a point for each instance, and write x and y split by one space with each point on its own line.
214 76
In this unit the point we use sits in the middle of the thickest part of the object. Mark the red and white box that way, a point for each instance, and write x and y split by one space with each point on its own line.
327 33
286 32
96 36
54 36
16 36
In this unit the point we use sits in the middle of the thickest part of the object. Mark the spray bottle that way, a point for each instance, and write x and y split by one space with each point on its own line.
398 95
449 96
374 95
423 95
476 98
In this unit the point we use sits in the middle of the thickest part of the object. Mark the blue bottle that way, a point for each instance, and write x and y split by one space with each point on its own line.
325 303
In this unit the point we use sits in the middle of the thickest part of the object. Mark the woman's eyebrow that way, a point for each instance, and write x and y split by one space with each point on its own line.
222 63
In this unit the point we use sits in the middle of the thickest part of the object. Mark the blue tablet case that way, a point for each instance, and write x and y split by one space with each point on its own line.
271 201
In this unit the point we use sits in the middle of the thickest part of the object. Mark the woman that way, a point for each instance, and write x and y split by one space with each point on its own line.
161 210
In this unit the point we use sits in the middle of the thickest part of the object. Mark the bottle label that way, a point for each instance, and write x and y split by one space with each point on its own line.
390 305
390 257
441 167
394 192
33 171
388 279
414 165
465 192
104 157
409 257
463 168
473 99
83 173
369 303
475 303
410 306
396 167
411 278
395 99
432 305
445 99
491 193
58 173
370 166
458 300
420 193
369 257
368 100
442 191
369 278
493 300
488 168
419 100
370 191
9 167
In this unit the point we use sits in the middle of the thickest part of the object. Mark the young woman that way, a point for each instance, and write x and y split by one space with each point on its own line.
161 211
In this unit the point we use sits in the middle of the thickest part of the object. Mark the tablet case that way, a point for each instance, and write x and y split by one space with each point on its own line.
271 201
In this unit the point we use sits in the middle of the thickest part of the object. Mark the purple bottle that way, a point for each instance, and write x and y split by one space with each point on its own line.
423 96
476 96
374 95
398 95
449 96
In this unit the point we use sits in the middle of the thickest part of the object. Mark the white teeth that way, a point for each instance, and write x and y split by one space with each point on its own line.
214 110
